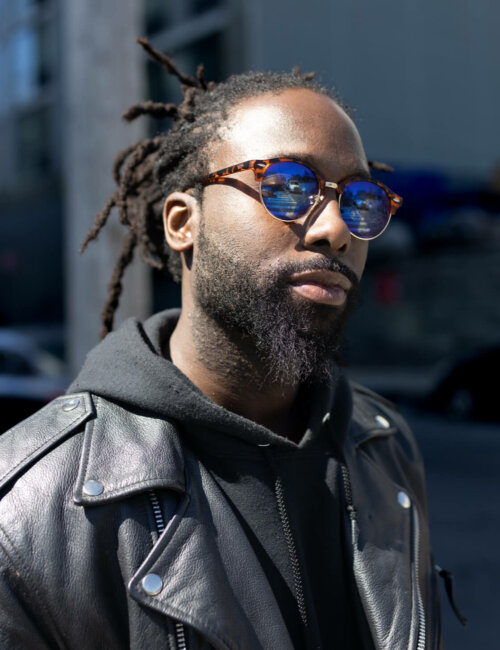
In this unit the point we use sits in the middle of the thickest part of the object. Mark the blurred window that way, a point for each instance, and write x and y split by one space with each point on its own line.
157 15
46 52
28 48
32 61
202 5
5 77
32 139
12 363
25 50
160 15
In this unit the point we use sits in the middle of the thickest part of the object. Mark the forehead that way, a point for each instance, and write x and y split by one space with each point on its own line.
296 122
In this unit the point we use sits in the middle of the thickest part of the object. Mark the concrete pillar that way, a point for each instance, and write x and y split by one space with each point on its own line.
103 73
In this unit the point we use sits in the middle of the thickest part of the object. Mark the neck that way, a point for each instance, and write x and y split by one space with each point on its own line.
227 369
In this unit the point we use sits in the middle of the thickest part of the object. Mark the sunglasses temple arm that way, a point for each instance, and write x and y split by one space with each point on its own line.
219 175
396 203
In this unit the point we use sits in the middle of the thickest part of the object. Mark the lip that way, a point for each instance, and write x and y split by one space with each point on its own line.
325 287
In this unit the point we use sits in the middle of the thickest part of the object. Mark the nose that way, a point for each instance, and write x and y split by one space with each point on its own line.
325 228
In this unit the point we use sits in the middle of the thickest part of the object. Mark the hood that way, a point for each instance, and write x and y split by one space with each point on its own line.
128 367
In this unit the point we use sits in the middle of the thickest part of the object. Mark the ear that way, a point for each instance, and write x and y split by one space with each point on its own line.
180 218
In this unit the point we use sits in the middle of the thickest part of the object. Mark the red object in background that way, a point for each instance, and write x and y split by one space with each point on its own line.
388 288
9 261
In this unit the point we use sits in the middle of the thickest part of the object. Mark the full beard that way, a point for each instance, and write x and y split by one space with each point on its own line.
284 339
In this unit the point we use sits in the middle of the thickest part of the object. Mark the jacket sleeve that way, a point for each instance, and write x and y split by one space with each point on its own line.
19 611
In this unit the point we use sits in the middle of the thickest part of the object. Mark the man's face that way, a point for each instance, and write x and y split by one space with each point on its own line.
281 290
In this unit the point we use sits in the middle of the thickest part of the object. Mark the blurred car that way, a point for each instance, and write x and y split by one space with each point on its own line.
469 387
29 377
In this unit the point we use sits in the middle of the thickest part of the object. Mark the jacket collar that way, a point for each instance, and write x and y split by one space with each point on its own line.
211 577
126 452
372 417
28 441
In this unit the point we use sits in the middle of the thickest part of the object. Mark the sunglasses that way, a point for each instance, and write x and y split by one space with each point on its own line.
290 190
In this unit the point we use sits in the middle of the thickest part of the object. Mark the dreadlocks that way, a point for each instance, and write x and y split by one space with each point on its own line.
151 169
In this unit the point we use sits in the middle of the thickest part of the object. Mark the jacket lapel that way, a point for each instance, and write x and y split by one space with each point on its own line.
382 539
212 580
127 453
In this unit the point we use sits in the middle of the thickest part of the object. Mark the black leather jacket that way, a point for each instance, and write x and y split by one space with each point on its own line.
87 487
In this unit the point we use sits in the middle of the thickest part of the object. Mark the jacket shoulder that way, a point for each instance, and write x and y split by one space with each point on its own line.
376 418
29 440
385 436
371 410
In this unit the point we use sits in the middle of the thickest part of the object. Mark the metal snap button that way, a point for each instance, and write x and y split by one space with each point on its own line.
93 488
70 404
152 584
383 422
404 500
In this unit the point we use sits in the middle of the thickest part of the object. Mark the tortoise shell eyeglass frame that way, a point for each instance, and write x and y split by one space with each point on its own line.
260 167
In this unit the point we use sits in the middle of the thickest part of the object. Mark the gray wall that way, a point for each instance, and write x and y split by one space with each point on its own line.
423 76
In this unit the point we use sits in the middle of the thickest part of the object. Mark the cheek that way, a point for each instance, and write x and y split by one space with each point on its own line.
243 224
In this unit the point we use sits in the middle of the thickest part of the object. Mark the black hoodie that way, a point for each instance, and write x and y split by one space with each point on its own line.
285 495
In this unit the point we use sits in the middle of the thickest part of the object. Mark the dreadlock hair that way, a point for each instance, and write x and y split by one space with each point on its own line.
151 169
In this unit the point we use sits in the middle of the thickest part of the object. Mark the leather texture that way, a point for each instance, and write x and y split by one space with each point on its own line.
72 565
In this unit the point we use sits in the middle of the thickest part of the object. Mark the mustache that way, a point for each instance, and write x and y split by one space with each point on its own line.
319 264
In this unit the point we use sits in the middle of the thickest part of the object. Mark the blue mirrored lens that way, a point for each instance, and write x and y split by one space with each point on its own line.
366 209
288 190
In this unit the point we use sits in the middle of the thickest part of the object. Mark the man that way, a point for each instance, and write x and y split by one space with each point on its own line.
212 480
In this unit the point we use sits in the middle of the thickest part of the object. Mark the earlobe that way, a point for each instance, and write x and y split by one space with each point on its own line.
180 214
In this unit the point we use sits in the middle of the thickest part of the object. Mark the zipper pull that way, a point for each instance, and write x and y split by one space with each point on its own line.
346 479
351 511
448 583
180 636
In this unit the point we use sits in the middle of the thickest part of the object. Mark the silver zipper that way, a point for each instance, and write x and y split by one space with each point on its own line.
180 633
420 604
351 510
292 550
180 636
346 480
279 494
159 521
